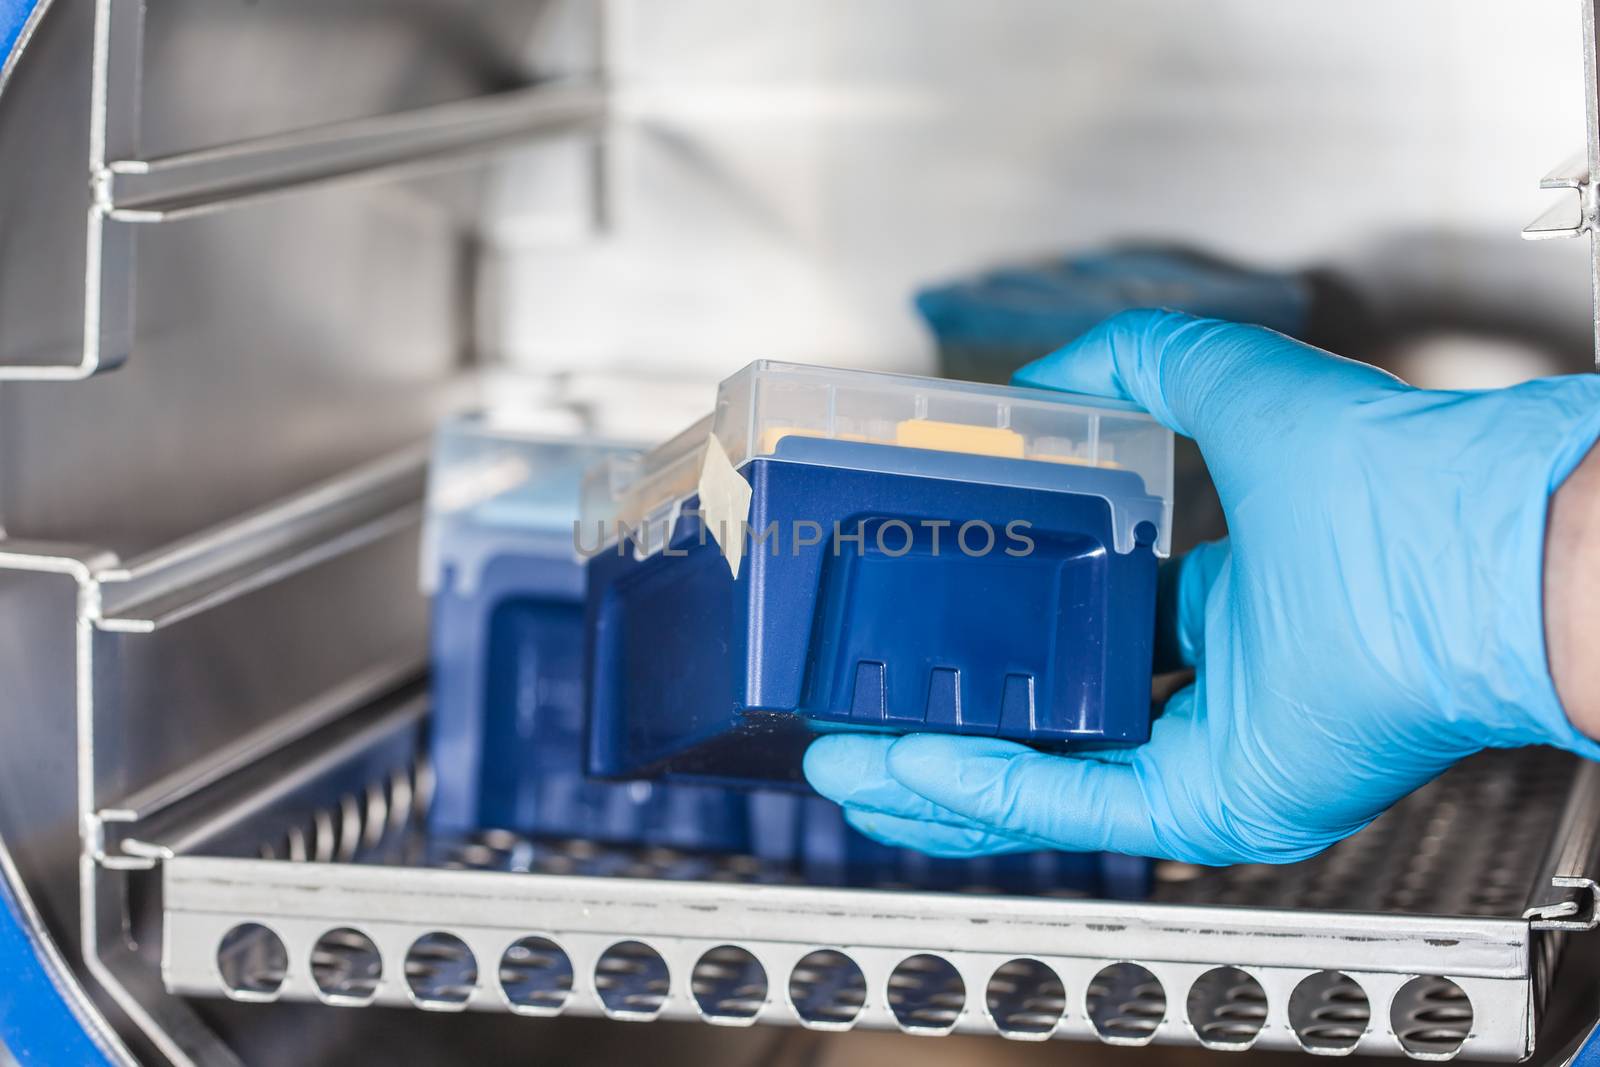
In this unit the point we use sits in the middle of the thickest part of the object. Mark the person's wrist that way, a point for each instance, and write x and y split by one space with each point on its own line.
1516 451
1572 593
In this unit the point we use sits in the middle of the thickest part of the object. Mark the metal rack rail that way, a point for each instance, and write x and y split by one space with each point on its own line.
131 190
1430 934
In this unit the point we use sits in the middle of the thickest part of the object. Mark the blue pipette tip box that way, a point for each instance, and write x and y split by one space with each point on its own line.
507 730
914 555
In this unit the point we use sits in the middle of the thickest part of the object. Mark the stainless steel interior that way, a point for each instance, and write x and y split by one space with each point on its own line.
250 252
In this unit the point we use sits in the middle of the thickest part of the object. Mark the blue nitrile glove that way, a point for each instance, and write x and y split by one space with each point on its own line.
1375 616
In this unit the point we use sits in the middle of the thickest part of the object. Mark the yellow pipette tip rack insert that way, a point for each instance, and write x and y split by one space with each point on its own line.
944 437
958 437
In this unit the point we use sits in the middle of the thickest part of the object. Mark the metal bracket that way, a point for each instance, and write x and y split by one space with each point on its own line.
1571 897
1579 912
1575 216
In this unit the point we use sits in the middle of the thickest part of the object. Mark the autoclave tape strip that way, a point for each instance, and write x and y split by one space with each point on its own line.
724 502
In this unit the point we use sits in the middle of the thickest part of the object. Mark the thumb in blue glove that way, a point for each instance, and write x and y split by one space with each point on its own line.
1374 616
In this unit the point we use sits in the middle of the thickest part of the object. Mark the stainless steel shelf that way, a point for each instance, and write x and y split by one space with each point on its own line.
1411 938
159 190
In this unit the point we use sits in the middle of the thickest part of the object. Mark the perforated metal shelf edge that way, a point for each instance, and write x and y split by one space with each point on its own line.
585 918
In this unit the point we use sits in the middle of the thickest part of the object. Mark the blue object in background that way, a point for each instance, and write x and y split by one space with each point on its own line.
507 736
833 853
696 674
988 326
508 723
508 730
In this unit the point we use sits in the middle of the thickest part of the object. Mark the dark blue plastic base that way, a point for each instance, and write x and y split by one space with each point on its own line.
810 833
507 734
694 673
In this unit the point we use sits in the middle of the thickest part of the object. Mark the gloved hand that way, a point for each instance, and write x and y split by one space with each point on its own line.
1374 616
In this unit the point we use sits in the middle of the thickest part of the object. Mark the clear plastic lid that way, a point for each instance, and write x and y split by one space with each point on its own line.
498 484
768 402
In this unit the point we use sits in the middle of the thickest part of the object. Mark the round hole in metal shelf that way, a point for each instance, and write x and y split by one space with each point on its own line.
1431 1017
346 966
1125 1003
1026 999
1329 1012
536 976
729 985
632 980
926 994
1227 1008
441 972
827 990
252 962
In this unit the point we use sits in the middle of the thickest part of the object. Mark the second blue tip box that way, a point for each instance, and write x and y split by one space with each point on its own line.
841 549
811 833
507 739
